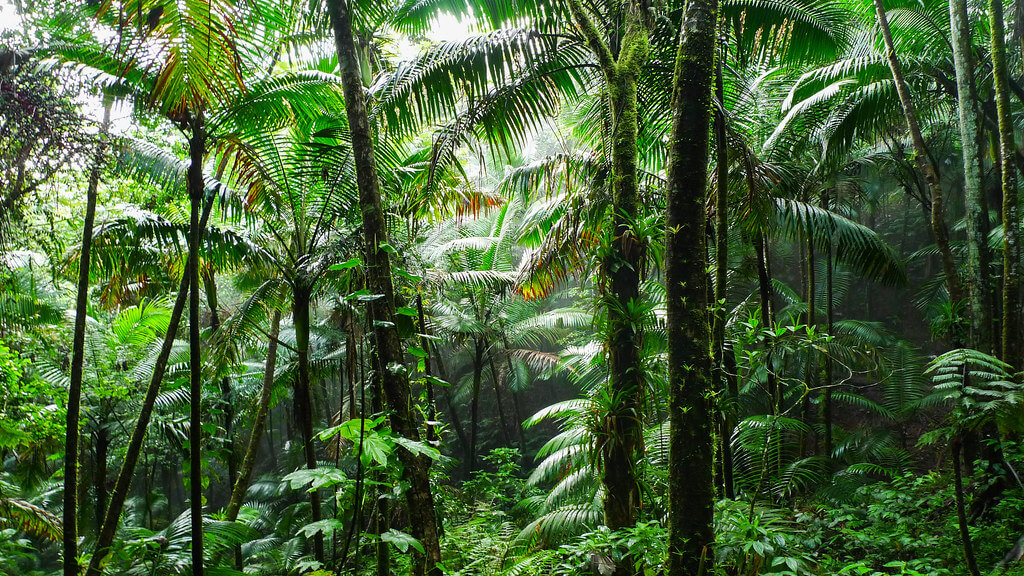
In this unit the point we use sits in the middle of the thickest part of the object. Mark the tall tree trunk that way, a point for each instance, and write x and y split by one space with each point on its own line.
500 402
428 348
241 486
961 513
100 473
419 499
1011 223
722 276
71 450
474 405
304 402
811 376
516 409
829 295
621 270
975 204
923 160
196 190
131 457
764 285
691 493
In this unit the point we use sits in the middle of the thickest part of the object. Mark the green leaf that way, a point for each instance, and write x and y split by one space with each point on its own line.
418 448
408 276
316 478
326 527
350 263
402 541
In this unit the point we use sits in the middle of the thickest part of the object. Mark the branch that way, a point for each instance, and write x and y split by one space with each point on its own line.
593 38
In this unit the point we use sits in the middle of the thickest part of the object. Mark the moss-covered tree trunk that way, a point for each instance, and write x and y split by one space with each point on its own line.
691 491
71 449
1011 223
301 302
923 160
975 204
621 266
419 499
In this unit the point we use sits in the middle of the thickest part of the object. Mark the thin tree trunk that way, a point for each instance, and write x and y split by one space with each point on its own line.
829 294
975 204
1011 224
764 284
517 412
474 405
350 362
419 499
196 185
71 450
811 375
304 403
131 457
100 473
923 160
241 486
691 493
428 349
961 513
496 383
722 276
227 405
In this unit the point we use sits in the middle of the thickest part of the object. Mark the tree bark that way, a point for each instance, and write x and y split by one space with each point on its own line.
71 440
227 405
961 512
764 284
923 160
419 498
975 205
241 486
474 405
722 276
301 296
620 289
100 473
196 189
429 350
826 414
131 457
1011 224
691 493
496 383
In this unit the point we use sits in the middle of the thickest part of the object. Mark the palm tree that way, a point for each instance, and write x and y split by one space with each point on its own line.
71 567
394 378
472 267
296 184
922 158
196 84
